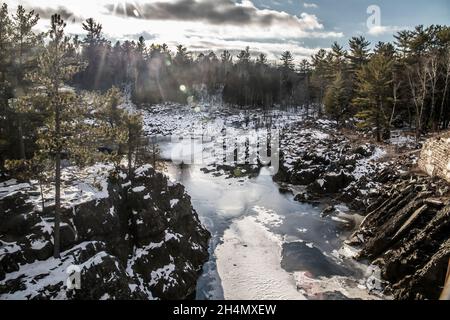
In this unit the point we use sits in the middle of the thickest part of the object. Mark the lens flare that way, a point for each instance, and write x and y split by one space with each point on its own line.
126 8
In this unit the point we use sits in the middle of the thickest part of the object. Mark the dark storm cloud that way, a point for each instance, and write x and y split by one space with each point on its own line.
46 13
211 11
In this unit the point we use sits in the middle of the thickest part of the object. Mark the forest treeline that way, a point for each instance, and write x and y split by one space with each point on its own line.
378 86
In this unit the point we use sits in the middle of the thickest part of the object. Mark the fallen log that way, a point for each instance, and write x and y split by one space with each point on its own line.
410 221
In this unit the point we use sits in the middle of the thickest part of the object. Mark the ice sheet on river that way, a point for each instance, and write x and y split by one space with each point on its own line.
249 261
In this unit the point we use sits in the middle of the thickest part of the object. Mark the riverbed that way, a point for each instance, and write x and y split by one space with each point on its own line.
265 245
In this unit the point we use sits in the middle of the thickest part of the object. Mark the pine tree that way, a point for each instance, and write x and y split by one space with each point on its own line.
5 65
287 77
64 131
95 50
262 59
375 94
5 48
133 134
244 56
305 67
337 99
339 56
226 57
359 53
320 78
119 127
182 57
26 42
287 61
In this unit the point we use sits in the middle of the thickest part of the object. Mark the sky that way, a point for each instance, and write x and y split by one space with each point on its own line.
266 26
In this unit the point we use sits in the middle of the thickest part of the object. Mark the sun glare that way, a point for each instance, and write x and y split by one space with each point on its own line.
126 8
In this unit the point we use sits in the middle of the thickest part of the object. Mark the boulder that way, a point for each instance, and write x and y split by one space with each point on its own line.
330 183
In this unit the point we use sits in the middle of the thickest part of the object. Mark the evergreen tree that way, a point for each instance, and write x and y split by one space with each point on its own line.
6 46
375 94
95 54
319 79
226 57
64 131
5 64
262 59
132 137
182 56
25 44
244 56
287 61
287 77
359 53
337 99
339 57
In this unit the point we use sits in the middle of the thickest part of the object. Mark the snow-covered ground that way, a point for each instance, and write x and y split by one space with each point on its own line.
79 185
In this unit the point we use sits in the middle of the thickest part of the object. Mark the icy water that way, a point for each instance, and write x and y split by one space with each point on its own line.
264 244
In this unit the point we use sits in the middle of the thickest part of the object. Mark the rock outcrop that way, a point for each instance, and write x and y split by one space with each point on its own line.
435 157
316 155
406 232
141 240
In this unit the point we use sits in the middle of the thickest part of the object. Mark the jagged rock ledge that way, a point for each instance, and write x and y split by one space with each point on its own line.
140 239
407 233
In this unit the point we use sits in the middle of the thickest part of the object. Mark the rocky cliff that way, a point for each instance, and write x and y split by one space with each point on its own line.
137 238
435 157
407 233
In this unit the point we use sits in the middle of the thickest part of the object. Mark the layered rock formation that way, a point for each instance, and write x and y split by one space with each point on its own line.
406 232
435 157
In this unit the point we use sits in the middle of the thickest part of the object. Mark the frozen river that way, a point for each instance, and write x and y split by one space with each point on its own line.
264 244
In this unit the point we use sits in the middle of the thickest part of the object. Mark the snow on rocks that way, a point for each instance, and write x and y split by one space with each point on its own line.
135 237
48 279
316 155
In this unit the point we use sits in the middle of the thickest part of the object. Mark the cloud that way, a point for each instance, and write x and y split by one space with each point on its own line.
382 30
65 13
215 12
310 5
201 25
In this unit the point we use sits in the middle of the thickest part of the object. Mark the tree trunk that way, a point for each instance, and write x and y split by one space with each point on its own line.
42 195
56 252
57 248
444 94
378 131
433 79
130 160
21 141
